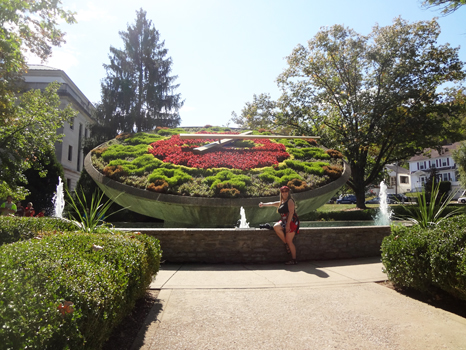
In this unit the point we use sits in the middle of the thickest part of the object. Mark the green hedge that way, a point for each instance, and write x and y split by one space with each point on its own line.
13 229
37 277
354 215
426 259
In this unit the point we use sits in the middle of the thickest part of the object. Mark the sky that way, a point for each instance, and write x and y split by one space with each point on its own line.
225 51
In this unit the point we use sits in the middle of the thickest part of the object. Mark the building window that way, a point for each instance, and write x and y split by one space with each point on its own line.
404 179
392 181
72 123
70 153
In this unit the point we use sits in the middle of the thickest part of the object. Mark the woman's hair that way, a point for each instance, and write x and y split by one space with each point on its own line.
289 197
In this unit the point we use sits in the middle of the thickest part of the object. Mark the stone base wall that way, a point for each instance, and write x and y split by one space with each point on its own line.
245 246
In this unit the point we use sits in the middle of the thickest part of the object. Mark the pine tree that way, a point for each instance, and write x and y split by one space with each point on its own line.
138 92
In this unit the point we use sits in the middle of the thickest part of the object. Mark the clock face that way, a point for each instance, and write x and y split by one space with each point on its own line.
243 155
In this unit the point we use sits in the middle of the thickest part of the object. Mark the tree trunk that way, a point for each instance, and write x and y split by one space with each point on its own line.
357 177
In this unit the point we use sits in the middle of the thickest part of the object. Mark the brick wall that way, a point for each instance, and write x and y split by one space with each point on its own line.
264 246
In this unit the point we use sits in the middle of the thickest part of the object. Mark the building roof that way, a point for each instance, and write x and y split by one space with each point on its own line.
398 169
38 76
428 153
41 67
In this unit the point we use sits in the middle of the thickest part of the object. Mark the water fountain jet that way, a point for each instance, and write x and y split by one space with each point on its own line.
59 200
384 214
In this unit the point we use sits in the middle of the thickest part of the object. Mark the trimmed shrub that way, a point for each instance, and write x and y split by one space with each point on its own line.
124 151
334 153
158 186
98 151
405 257
69 291
287 178
297 185
142 137
13 228
332 171
426 259
114 172
173 177
229 192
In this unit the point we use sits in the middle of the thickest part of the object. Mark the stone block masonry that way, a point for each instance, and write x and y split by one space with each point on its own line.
253 245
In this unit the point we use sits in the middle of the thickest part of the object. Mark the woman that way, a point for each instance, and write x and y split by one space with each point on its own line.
288 226
29 210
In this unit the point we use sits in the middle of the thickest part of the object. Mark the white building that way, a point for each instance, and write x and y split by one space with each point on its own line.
420 167
400 179
69 152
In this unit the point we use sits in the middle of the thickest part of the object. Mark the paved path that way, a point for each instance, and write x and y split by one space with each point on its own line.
313 305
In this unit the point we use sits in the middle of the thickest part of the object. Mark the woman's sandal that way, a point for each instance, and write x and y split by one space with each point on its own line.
292 262
287 247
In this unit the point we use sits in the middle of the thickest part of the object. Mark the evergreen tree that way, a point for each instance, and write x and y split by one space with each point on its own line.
138 92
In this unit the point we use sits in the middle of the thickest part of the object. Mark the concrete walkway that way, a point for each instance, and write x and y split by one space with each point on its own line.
314 305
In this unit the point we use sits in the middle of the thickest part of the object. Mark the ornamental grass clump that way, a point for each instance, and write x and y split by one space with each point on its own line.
429 209
88 215
70 290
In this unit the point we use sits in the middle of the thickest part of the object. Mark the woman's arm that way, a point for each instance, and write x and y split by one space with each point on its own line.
269 204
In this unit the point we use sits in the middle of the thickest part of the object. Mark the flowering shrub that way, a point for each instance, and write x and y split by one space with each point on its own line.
177 151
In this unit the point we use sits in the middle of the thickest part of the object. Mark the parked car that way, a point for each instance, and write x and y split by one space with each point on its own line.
375 200
396 198
462 198
348 199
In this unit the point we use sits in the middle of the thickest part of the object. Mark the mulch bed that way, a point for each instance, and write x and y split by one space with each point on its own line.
439 299
125 334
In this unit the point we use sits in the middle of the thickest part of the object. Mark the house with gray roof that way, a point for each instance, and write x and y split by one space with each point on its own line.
420 167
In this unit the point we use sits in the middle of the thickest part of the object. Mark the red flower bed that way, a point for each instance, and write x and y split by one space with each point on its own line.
177 151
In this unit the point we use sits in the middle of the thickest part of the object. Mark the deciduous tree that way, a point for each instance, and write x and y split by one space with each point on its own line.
376 98
448 6
27 123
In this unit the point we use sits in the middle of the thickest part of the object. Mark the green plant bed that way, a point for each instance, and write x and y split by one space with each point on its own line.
250 170
69 290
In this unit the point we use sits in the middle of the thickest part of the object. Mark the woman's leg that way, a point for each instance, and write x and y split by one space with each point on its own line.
279 231
289 240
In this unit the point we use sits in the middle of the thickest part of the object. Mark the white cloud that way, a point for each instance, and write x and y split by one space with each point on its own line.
92 13
186 109
62 59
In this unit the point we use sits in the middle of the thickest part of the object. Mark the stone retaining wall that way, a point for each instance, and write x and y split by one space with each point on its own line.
254 245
